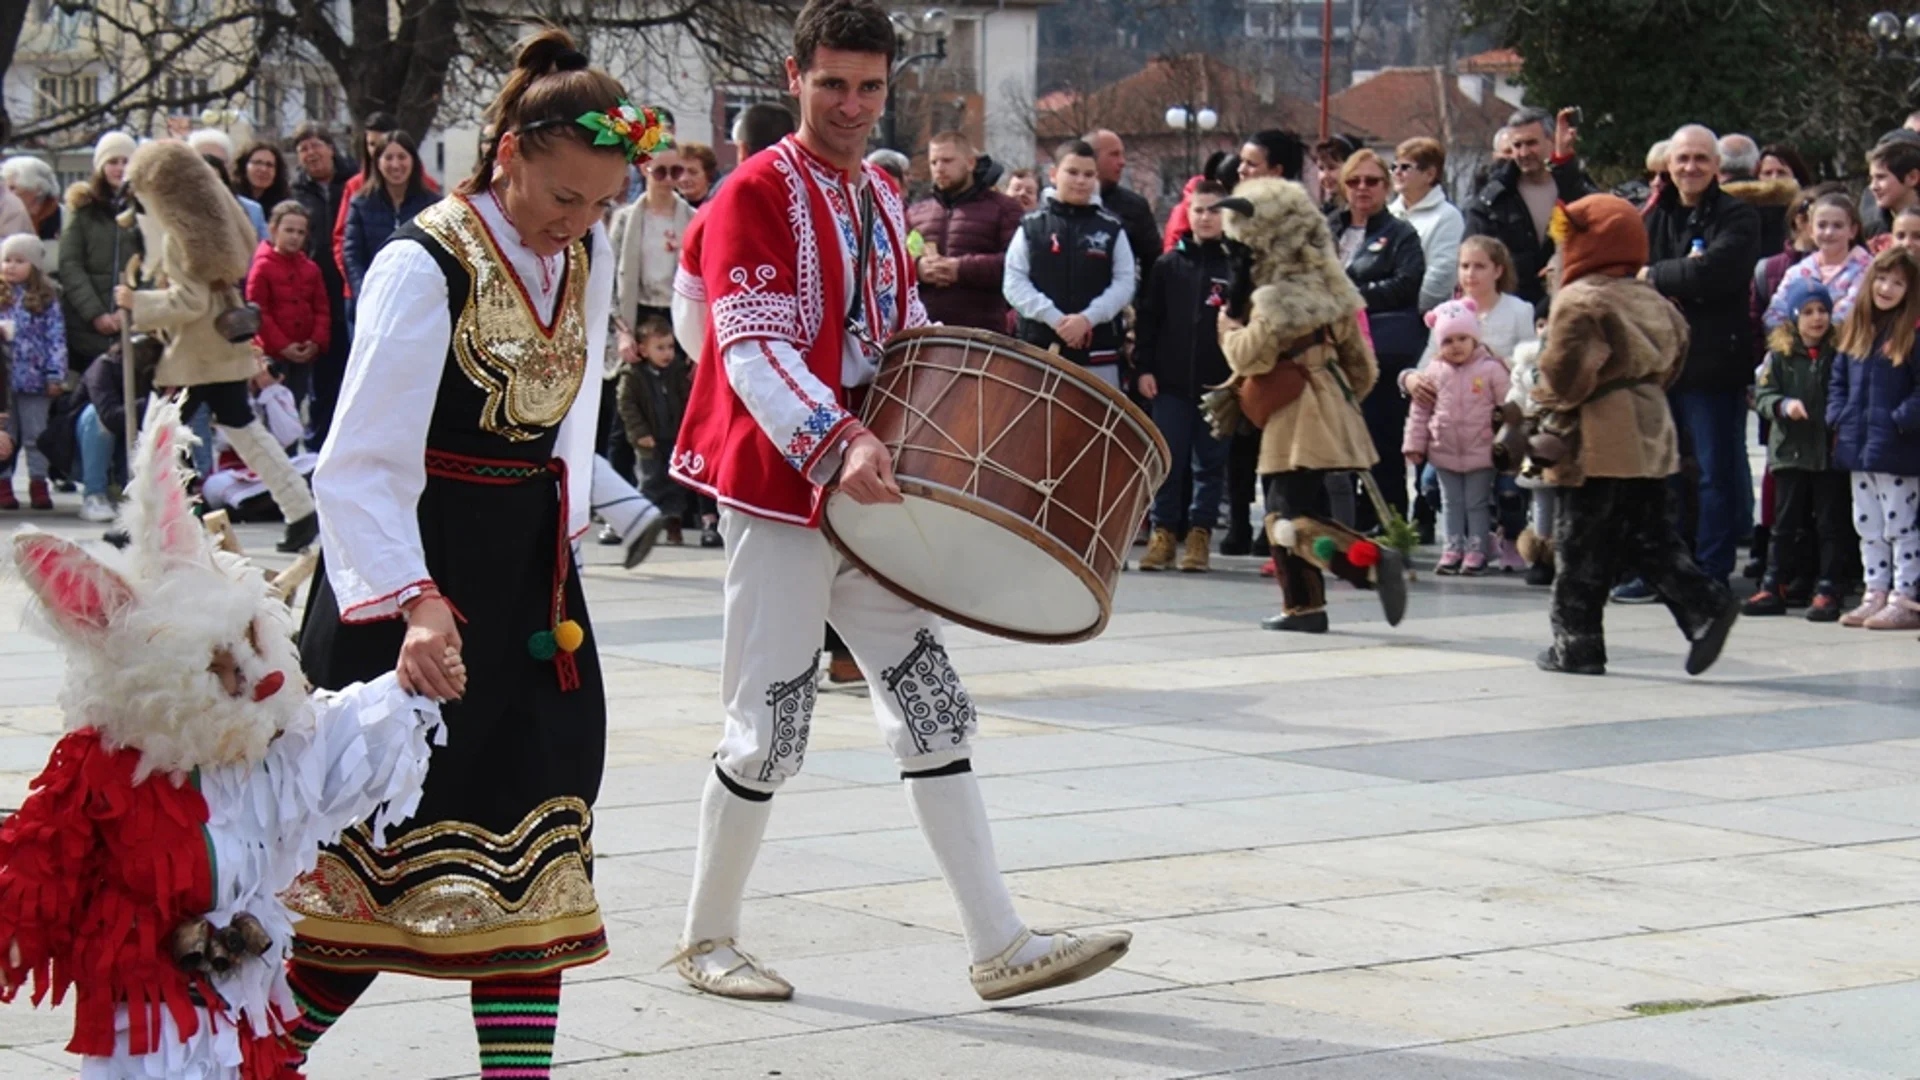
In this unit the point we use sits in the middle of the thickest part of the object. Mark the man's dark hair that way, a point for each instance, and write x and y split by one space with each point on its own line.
1073 148
859 26
1283 149
763 124
309 130
381 122
1898 157
1532 115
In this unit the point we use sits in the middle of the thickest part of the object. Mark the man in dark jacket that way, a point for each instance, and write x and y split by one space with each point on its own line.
1177 355
1517 202
321 187
1703 244
1132 208
965 226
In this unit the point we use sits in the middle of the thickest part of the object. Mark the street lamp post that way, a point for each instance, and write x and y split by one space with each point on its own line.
1897 40
932 23
1193 122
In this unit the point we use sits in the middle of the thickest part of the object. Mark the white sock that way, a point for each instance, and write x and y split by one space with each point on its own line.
953 818
618 503
730 832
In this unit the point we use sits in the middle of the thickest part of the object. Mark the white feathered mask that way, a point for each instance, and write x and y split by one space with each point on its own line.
174 648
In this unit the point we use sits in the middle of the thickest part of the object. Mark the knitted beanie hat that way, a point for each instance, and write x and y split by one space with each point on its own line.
1599 234
1453 318
114 144
26 246
1806 289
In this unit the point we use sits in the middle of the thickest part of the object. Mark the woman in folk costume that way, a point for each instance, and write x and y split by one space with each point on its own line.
195 782
1305 313
205 251
452 488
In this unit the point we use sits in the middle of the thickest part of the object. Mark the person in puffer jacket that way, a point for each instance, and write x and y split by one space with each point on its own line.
296 320
1455 433
964 229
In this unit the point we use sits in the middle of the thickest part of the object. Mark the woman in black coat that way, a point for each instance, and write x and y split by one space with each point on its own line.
1385 262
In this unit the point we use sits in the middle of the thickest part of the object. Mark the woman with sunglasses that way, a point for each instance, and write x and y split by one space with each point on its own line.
1418 165
1384 260
646 245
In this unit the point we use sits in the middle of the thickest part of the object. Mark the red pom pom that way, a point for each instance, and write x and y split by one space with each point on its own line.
1363 553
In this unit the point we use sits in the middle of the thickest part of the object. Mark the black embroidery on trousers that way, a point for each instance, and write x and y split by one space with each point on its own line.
792 705
938 712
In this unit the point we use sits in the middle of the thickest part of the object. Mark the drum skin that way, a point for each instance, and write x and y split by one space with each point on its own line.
1057 467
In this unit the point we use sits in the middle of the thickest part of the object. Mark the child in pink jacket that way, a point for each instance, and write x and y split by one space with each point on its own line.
1455 433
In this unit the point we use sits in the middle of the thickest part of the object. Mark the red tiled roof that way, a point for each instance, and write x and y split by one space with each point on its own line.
1137 105
1493 62
1400 103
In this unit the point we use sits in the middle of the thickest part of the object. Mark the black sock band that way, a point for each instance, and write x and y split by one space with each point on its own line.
744 792
964 765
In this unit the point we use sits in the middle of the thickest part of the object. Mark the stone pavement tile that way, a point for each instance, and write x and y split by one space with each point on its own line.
1859 1034
1020 843
1603 795
624 883
633 830
1382 811
1545 911
1212 779
836 812
1227 730
1073 750
778 930
392 989
1193 884
413 1039
1174 950
1777 957
1749 776
1186 829
1807 880
1767 818
1895 805
930 904
633 1017
48 1062
782 869
1457 1062
22 1025
1397 860
1900 755
1332 938
1576 845
1043 794
1471 997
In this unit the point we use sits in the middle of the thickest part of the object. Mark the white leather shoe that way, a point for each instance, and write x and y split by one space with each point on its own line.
747 979
1071 959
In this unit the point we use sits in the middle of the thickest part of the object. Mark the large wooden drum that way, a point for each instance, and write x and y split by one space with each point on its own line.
1025 479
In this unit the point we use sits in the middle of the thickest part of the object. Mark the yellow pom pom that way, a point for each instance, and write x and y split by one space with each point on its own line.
1560 224
569 636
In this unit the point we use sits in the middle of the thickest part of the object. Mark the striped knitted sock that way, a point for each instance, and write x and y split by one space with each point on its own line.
322 996
515 1019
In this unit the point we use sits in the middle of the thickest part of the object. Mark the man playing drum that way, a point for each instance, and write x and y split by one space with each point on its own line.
805 283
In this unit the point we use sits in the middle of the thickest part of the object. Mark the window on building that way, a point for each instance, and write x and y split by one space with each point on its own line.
63 93
267 101
184 93
322 102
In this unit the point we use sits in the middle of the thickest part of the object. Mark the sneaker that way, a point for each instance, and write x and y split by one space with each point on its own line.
1159 554
1309 623
1269 568
710 537
608 537
1261 547
1870 606
97 509
1474 564
1540 574
1551 660
1198 556
1899 614
65 487
1511 561
1450 560
1765 602
646 533
674 537
1634 592
8 500
38 496
1706 648
1238 541
1825 608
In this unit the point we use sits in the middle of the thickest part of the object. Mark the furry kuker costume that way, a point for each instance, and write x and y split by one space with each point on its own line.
206 244
196 780
1304 311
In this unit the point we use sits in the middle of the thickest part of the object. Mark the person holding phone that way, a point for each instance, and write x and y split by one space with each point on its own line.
1518 199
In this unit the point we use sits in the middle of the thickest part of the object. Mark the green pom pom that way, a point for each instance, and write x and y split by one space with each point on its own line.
542 645
1324 549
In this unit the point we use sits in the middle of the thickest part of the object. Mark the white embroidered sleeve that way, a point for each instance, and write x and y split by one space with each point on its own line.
373 468
575 444
798 412
690 318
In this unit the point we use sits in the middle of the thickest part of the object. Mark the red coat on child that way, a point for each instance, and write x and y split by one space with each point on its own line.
292 300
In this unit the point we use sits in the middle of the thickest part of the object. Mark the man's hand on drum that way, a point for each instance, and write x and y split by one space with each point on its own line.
430 661
866 473
1148 386
1075 330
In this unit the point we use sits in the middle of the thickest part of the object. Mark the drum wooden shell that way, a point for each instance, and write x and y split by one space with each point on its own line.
1025 476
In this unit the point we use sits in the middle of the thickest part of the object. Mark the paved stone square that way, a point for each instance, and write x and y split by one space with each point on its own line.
1381 853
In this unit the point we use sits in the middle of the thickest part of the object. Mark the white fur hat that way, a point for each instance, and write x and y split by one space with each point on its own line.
28 247
212 141
114 144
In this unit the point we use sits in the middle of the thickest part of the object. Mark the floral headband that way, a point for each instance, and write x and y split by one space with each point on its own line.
640 132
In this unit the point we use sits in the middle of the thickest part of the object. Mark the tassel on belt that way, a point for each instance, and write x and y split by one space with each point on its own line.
565 636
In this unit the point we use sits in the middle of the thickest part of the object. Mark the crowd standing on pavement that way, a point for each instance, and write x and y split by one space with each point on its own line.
1742 239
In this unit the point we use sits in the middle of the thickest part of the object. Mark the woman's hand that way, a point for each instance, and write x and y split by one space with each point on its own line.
1794 409
122 299
1420 389
107 323
1416 460
430 661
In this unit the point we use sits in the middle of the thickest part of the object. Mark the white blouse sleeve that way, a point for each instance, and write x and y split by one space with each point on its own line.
574 445
373 468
